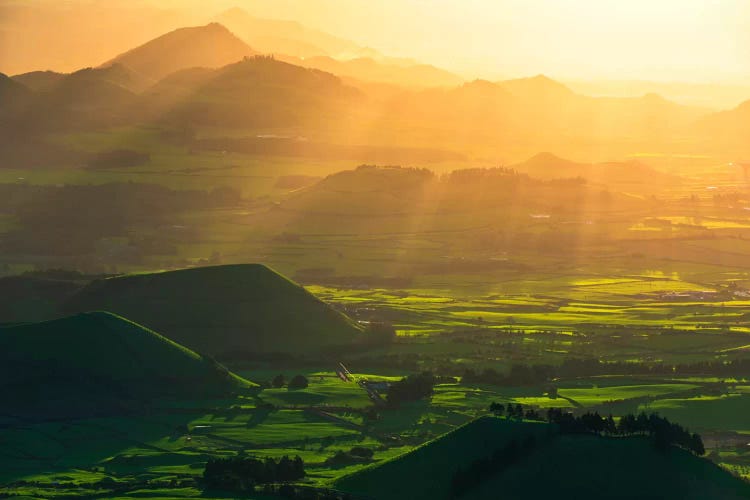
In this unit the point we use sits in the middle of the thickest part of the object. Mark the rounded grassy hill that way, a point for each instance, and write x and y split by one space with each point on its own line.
559 466
223 310
98 363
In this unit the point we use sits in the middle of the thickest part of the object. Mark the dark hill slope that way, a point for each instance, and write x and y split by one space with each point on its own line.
210 46
726 131
99 363
39 80
32 299
560 467
592 467
14 97
224 310
91 97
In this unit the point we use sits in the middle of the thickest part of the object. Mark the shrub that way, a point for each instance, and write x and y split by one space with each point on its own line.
298 382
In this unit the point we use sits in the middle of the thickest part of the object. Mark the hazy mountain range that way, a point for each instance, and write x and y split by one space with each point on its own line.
209 76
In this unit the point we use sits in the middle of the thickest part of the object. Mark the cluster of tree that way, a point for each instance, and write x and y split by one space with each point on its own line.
358 454
508 176
520 374
514 411
118 158
244 473
297 382
591 366
296 491
380 333
663 432
411 388
480 470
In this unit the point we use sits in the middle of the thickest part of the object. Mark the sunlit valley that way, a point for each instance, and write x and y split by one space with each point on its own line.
245 254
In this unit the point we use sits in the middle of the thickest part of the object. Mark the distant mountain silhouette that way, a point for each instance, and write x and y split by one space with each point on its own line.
210 46
39 80
549 166
521 117
12 93
537 87
368 69
726 131
274 36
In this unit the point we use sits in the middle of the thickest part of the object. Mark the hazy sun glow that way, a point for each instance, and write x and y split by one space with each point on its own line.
687 40
704 40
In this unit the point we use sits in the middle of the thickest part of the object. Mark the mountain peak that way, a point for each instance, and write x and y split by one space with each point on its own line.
210 46
537 86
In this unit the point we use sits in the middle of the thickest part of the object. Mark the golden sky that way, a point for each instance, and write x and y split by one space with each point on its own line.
685 40
698 40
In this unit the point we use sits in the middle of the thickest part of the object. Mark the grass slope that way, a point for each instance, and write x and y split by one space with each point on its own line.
562 467
223 310
98 362
592 467
426 472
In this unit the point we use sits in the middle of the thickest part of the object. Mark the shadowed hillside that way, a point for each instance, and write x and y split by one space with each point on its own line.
99 363
33 298
425 472
210 46
224 310
39 80
264 93
556 466
726 131
13 97
90 97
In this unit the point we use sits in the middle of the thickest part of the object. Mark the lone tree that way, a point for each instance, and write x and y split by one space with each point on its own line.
278 381
298 382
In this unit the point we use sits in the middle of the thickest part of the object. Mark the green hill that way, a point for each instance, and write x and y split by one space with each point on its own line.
223 310
97 363
560 466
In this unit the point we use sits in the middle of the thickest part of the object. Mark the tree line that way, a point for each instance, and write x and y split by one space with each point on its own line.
244 473
520 374
662 432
